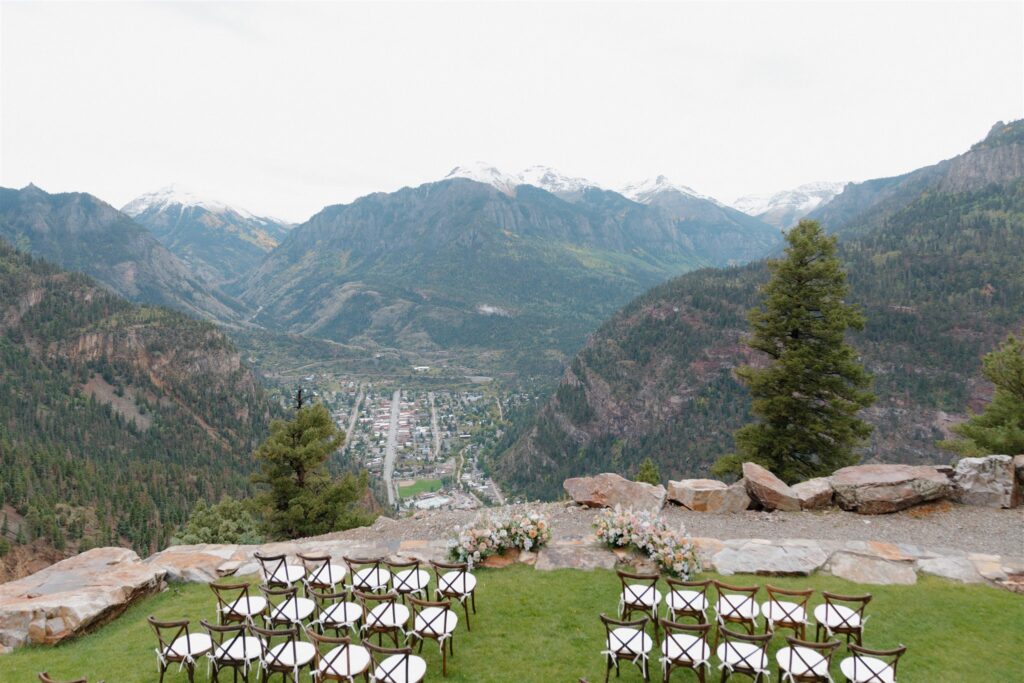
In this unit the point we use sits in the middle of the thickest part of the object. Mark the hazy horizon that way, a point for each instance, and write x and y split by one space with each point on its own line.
282 109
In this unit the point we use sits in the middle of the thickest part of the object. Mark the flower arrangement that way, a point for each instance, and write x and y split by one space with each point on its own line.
525 530
671 550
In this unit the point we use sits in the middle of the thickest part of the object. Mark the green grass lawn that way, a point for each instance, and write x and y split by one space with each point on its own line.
420 486
544 626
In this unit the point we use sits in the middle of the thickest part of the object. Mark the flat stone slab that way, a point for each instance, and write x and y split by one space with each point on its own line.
759 556
576 555
610 490
954 568
74 596
869 569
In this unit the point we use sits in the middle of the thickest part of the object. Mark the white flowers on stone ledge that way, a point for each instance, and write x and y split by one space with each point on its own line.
526 530
647 533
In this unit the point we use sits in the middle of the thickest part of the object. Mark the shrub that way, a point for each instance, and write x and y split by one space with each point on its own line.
229 521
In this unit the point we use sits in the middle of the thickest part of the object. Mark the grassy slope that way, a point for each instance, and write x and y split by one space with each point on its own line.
544 626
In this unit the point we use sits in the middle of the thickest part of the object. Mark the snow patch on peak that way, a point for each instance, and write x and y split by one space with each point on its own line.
555 182
800 200
177 195
644 190
485 173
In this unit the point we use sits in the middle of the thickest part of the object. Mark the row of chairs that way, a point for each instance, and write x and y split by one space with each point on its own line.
686 646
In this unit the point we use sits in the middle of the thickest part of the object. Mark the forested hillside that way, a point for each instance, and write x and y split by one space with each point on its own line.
114 418
940 280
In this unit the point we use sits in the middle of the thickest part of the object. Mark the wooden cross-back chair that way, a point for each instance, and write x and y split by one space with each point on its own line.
336 611
871 666
407 579
455 582
639 594
629 641
321 573
786 609
338 659
277 572
685 646
285 607
736 605
383 615
231 649
805 662
367 574
687 599
288 657
395 665
434 621
841 615
235 604
743 653
177 645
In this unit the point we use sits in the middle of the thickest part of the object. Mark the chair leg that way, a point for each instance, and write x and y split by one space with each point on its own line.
466 608
444 661
723 676
472 597
607 668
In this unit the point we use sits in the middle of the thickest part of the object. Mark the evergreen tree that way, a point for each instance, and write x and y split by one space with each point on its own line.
999 428
808 395
648 472
229 521
301 499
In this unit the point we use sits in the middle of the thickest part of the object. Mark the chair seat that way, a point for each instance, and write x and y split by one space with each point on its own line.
806 662
239 649
192 645
394 670
686 600
631 641
643 596
683 647
327 575
788 612
737 608
371 578
410 580
435 621
337 663
743 655
836 615
246 607
457 583
867 669
293 610
342 614
287 574
284 655
387 616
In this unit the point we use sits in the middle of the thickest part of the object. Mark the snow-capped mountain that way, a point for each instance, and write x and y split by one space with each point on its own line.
787 207
544 177
216 240
643 191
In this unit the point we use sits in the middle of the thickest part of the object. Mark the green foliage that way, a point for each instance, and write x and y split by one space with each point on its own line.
987 623
648 472
808 396
300 498
229 521
1000 427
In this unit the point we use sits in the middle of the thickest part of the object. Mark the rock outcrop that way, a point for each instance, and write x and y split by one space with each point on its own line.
878 489
767 489
709 495
608 490
814 494
989 482
74 596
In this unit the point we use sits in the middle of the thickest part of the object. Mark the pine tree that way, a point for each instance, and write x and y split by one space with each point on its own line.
808 395
301 499
999 428
648 472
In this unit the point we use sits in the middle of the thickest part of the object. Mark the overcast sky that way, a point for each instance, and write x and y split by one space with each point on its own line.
284 108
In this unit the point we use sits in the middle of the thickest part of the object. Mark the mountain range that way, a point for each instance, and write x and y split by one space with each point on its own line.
934 260
785 208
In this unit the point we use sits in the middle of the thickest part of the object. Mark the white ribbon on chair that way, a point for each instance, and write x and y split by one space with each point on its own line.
828 629
642 656
758 670
702 662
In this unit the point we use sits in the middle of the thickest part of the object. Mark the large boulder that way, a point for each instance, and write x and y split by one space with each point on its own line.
986 482
879 489
814 494
709 495
74 596
770 491
1018 465
608 490
866 569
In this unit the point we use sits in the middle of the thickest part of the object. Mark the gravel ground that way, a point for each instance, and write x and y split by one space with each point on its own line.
973 529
